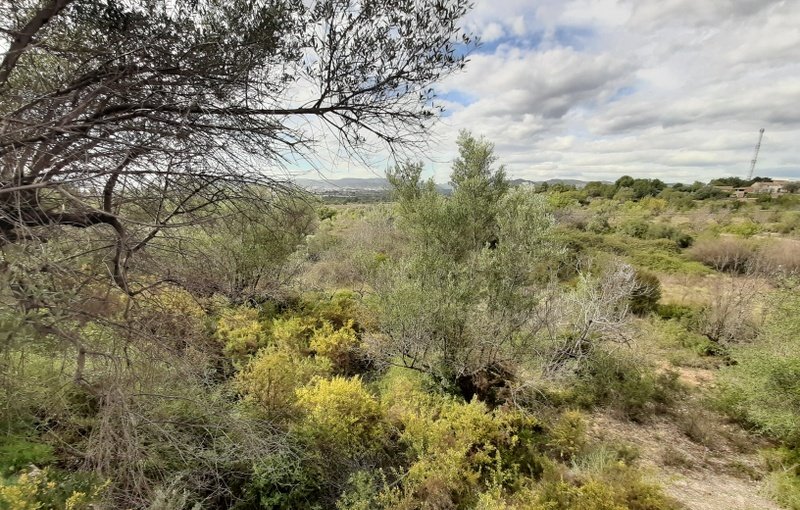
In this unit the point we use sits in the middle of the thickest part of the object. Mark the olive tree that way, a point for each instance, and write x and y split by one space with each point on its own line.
462 307
130 133
133 119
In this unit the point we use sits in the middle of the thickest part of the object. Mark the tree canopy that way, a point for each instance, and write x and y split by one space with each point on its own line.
137 117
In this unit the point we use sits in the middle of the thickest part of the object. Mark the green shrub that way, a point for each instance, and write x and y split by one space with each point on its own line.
762 388
746 228
567 436
669 311
784 487
285 481
341 417
618 488
646 293
18 453
626 385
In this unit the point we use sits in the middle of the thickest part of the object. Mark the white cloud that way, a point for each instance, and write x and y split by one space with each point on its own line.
675 89
492 32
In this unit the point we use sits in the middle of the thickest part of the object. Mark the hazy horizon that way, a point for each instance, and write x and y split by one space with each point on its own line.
596 89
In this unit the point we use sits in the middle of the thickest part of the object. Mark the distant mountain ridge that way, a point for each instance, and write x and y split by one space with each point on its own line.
381 184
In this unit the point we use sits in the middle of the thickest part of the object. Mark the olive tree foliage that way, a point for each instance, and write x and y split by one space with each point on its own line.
479 298
139 146
250 254
464 301
125 127
464 222
134 118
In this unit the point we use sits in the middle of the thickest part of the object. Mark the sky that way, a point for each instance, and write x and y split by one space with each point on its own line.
596 89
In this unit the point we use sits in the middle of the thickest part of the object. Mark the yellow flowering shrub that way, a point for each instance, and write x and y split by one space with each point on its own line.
292 333
341 416
568 434
269 380
459 449
37 490
240 332
338 345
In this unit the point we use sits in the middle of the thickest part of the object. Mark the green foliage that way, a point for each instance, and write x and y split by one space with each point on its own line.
341 417
762 388
567 437
785 489
658 255
283 481
325 213
246 250
618 487
646 293
625 384
669 311
746 228
18 453
684 346
465 221
437 305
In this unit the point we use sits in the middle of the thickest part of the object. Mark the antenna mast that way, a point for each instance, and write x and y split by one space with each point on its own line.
755 154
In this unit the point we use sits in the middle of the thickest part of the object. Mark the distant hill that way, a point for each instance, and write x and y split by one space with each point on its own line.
352 184
569 182
347 183
381 184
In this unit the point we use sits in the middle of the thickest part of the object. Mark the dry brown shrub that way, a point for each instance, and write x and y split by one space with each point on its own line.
781 257
725 254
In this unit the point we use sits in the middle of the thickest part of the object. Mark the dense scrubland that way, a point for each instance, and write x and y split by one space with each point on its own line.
621 346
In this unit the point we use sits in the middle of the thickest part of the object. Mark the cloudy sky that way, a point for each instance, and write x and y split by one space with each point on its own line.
594 89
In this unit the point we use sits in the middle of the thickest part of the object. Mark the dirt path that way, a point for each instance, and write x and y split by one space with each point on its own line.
701 461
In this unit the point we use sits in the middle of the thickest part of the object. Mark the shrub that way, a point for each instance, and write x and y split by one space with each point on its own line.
646 294
635 228
49 489
726 254
270 379
567 437
284 481
618 488
339 308
240 332
458 450
681 342
669 311
340 346
626 385
18 453
746 228
784 487
598 224
762 388
341 416
781 257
